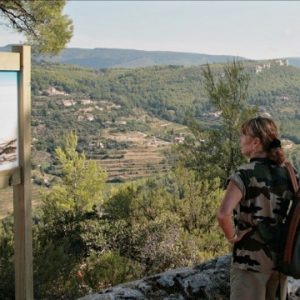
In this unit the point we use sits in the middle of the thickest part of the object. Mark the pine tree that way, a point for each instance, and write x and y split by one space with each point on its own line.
215 152
42 22
81 185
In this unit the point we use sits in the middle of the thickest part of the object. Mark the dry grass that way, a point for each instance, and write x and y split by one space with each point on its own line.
6 200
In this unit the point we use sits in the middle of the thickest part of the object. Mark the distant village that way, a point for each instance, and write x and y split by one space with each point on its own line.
265 66
85 110
84 113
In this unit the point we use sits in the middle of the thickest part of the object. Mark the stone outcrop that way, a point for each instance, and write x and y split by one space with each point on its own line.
209 281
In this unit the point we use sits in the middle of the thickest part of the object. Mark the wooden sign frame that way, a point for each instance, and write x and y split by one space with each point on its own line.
20 177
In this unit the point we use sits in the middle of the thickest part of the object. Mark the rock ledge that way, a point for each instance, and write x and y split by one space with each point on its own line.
209 281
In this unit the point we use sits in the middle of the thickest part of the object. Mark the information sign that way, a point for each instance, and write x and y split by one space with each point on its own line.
8 120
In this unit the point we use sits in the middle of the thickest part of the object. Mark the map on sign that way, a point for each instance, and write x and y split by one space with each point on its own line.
8 120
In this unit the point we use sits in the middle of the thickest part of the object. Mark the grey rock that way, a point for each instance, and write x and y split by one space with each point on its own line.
207 281
99 297
144 287
293 289
174 297
166 281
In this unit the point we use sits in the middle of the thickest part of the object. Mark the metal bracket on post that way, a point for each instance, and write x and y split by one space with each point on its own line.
10 178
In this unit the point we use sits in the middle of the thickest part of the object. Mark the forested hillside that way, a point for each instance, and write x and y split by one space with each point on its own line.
168 92
119 112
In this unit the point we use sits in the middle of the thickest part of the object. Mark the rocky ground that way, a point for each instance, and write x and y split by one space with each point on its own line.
208 281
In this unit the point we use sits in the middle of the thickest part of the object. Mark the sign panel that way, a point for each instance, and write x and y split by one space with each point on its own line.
8 120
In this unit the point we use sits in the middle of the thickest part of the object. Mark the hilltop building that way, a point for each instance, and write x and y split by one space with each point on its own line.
281 62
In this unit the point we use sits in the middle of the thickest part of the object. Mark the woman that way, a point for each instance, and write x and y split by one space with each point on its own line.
258 195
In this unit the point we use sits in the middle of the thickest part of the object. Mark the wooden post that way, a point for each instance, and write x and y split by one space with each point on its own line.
22 191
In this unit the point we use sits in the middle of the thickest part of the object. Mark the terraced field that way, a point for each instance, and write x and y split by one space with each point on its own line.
134 164
145 157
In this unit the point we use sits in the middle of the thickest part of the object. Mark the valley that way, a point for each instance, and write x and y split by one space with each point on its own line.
128 120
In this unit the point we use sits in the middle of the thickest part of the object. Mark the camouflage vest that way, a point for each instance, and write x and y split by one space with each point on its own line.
267 191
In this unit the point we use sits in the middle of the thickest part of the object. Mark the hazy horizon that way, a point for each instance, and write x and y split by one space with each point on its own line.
250 29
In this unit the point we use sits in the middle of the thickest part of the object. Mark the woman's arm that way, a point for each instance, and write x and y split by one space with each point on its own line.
232 197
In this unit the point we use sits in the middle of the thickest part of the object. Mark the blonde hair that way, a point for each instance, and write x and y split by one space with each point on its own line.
266 130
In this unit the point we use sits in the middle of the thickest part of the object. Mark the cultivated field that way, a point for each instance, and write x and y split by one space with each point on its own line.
144 157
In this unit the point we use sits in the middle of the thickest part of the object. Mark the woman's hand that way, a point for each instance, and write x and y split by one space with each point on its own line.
238 236
232 197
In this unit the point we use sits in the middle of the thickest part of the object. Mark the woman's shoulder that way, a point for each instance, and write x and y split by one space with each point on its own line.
247 166
243 172
258 164
249 170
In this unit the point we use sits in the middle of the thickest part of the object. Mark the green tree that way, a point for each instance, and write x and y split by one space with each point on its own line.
228 93
214 151
7 289
81 185
42 22
69 226
166 223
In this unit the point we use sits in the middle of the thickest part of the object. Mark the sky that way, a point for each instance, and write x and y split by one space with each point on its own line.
252 29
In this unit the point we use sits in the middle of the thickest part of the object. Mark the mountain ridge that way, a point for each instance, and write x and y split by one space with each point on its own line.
131 58
105 58
101 58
